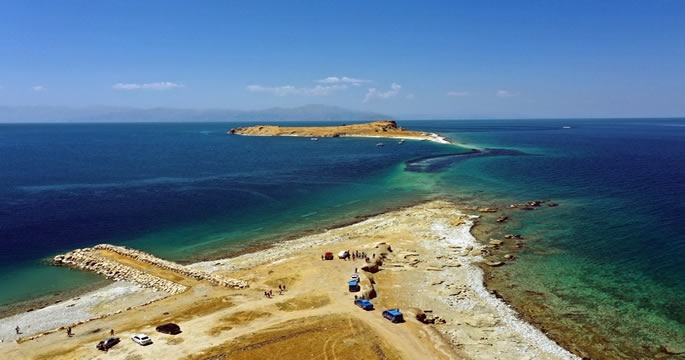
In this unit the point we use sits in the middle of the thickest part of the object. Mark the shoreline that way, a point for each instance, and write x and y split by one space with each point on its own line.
451 238
437 138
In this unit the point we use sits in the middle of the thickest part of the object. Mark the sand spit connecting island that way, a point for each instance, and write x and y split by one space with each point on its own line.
288 301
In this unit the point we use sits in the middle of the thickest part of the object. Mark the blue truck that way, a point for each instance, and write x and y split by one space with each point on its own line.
364 304
353 286
394 315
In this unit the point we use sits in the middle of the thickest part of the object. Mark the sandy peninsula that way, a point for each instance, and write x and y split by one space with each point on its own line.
376 129
421 260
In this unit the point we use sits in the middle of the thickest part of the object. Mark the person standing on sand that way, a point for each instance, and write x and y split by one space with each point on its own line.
69 331
17 330
111 332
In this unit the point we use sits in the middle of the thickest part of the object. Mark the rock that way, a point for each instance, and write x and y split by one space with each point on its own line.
482 320
509 257
371 267
502 219
496 242
495 263
671 350
433 268
487 209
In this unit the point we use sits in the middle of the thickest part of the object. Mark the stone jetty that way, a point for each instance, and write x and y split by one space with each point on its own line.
96 259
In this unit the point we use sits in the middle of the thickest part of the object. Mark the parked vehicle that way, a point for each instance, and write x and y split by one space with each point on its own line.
344 254
328 256
142 339
169 328
107 343
394 315
353 286
364 304
354 277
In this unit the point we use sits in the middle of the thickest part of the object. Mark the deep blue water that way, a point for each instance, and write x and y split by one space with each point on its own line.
612 250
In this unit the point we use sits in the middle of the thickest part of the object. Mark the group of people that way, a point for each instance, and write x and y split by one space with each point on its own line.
270 293
70 334
354 255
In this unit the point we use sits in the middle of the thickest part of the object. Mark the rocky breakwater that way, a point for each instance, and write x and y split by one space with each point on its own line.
172 266
88 259
93 259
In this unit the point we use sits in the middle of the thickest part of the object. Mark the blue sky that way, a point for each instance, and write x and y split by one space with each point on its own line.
452 58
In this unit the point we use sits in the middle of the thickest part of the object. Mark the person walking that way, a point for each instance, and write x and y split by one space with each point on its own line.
17 330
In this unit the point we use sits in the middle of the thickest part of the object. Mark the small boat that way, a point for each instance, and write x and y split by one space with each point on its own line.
314 139
401 141
566 127
379 144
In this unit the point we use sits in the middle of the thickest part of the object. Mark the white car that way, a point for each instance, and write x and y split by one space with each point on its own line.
343 254
354 277
142 339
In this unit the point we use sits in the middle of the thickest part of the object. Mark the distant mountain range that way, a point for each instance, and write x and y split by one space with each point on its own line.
18 114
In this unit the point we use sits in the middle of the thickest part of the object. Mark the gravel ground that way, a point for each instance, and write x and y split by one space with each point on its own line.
74 310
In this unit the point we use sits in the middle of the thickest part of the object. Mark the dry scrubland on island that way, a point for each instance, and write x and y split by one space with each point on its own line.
377 129
427 265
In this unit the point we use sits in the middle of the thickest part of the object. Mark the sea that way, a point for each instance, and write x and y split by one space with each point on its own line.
599 266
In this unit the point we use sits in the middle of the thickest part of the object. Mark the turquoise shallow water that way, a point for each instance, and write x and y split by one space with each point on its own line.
608 259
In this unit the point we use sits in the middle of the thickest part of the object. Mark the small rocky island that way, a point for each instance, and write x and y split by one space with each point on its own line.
380 129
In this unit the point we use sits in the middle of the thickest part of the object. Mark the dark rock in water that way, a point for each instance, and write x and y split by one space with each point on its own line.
553 205
502 219
671 350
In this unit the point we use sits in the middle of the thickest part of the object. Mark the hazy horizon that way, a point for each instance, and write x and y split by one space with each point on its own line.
308 112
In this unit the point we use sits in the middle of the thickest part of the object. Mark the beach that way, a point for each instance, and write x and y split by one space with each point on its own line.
428 265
